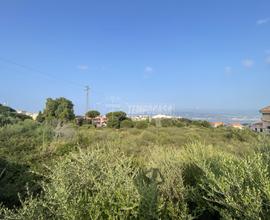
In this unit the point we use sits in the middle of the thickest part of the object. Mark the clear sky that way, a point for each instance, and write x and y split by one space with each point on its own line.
189 53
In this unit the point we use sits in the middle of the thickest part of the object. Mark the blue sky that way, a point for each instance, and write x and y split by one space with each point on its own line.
193 54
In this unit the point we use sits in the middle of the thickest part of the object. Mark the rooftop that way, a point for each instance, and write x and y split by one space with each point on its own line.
161 116
265 110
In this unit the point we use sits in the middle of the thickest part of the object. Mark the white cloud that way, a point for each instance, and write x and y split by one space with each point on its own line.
267 60
263 21
148 72
82 67
228 70
148 69
248 63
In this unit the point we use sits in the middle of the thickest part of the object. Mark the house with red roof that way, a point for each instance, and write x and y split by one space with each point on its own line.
266 119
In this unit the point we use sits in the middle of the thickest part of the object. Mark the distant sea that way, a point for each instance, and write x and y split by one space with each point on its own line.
226 116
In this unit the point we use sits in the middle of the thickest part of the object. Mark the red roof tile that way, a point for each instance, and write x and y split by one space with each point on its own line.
265 110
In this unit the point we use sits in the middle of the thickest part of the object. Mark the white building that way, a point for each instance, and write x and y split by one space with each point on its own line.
161 116
32 115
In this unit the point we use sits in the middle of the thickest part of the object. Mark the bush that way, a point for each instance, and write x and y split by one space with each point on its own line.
127 124
10 116
141 124
167 122
133 173
15 181
199 123
95 185
237 188
22 142
105 184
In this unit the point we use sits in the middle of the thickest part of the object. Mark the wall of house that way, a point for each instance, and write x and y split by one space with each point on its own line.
266 122
266 125
266 117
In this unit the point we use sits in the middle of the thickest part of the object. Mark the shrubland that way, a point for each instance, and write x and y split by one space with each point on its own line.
170 170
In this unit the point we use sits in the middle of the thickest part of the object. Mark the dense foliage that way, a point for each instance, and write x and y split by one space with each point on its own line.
10 116
127 123
115 119
60 109
92 113
176 169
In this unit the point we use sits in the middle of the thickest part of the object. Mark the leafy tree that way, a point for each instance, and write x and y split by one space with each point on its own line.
115 119
60 108
119 115
50 109
113 123
92 114
40 118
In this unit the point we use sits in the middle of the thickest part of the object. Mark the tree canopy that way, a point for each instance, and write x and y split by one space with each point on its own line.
92 113
60 108
115 119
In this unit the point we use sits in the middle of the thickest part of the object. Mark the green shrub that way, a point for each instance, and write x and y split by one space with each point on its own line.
10 116
15 181
105 184
141 124
22 142
200 123
237 188
167 122
88 185
127 124
134 173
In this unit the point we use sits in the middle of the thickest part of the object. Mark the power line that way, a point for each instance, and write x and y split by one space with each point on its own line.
44 74
39 72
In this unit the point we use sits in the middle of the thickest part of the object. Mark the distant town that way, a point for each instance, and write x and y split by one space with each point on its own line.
262 126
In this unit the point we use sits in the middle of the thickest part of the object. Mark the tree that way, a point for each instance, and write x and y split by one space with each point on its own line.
40 117
113 123
60 108
92 114
115 118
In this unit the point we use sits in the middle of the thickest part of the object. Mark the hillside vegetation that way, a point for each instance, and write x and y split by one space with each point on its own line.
50 171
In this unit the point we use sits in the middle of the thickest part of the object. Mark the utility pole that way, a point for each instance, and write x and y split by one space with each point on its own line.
87 98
